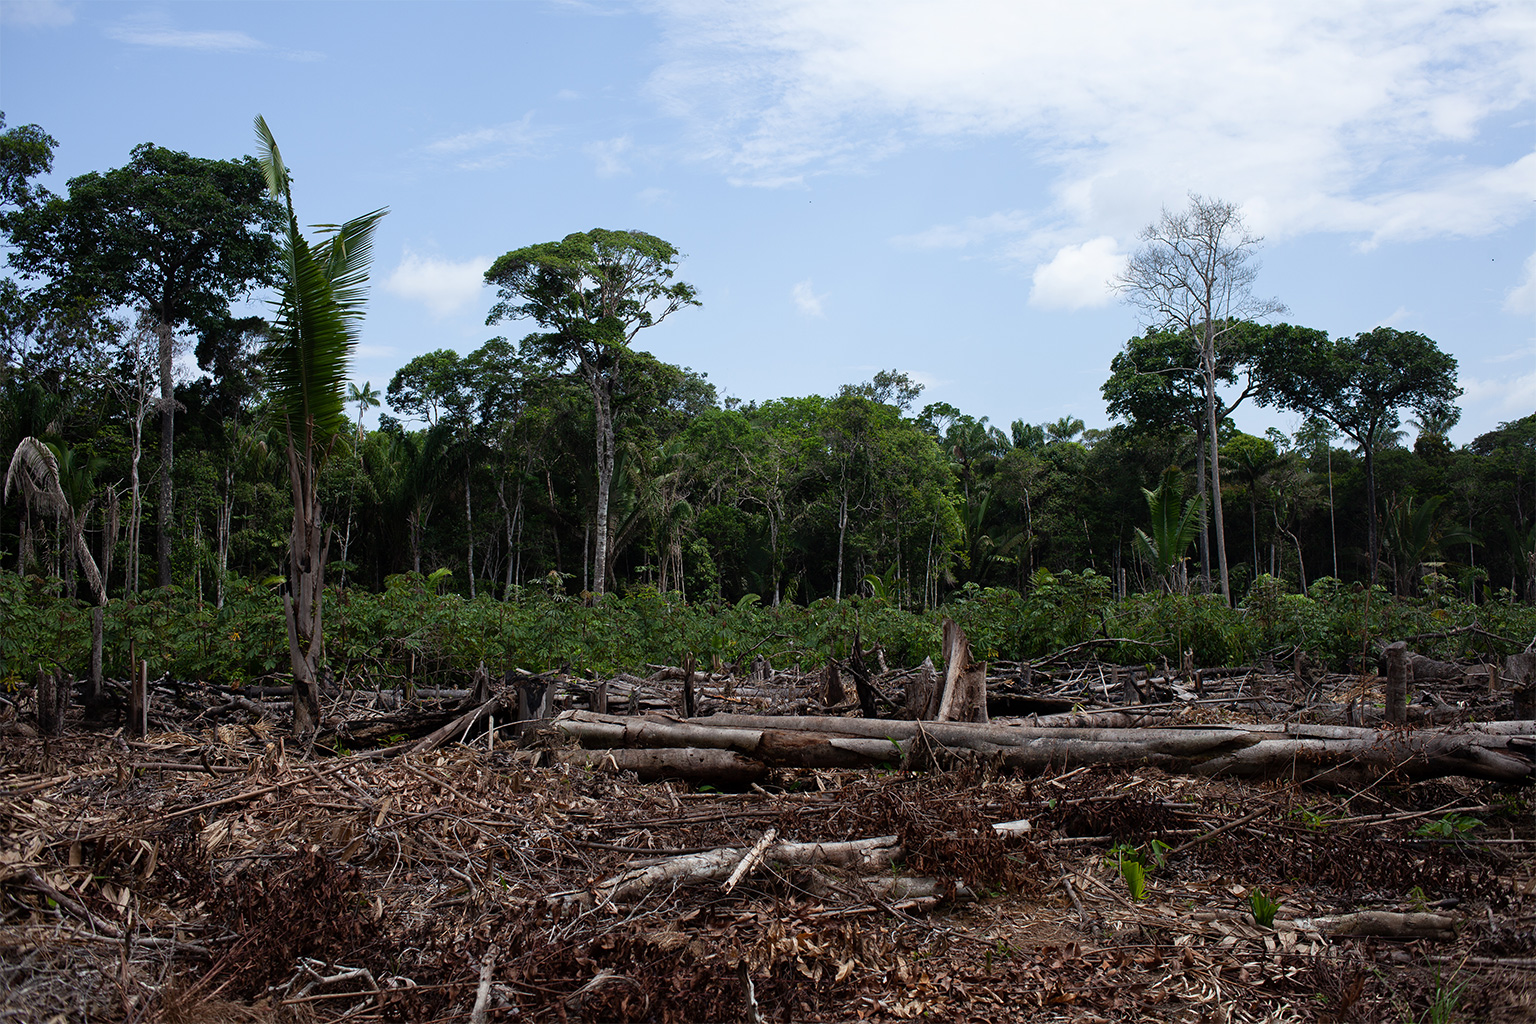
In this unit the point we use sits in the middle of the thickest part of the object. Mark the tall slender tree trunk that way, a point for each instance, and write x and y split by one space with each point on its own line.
167 453
1203 537
603 406
842 532
469 529
1371 540
1209 357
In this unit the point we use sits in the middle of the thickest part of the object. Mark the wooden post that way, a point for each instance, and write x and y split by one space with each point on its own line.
688 701
831 685
1396 693
138 702
532 705
52 701
1520 675
598 698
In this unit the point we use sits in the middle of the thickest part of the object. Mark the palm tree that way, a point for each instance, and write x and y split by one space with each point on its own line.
366 397
1175 525
1416 535
1064 429
313 338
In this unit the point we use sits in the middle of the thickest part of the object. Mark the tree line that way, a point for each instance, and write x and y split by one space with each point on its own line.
571 460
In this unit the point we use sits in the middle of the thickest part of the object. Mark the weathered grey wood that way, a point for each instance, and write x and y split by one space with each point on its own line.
965 684
922 692
1332 754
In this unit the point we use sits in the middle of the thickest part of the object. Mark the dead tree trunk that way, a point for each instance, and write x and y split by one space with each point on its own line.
965 684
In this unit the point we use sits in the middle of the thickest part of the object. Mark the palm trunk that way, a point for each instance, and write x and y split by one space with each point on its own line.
306 586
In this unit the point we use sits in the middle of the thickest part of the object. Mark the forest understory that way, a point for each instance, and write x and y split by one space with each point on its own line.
437 859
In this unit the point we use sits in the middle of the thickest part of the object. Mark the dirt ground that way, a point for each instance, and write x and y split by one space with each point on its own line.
211 873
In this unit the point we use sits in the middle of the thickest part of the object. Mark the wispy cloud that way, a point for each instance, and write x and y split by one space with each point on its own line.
491 146
608 154
1315 115
36 13
968 232
444 286
806 299
156 32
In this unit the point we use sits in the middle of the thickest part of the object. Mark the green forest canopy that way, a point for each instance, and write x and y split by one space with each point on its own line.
498 477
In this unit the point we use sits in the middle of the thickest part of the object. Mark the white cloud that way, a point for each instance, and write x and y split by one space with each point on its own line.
609 155
654 195
1510 396
1522 297
36 14
445 287
1399 316
491 146
806 300
1313 115
1078 276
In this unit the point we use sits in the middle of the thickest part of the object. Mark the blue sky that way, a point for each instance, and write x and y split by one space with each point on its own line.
940 188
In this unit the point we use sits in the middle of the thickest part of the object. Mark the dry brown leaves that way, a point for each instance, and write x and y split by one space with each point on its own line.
215 876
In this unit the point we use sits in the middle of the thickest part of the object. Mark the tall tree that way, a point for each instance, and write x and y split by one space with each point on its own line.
26 151
313 337
1359 385
1194 272
592 292
176 236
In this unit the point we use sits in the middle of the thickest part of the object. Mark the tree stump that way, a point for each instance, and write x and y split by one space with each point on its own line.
1396 693
52 701
965 684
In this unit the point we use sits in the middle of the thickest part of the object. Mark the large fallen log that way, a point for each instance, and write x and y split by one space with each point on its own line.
1504 752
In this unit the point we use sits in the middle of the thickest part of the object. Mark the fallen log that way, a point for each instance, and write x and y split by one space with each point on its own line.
1339 755
862 856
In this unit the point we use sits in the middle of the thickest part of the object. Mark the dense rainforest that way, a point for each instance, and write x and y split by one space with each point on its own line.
565 497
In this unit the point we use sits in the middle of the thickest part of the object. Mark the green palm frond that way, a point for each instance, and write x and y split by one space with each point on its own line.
1176 523
323 293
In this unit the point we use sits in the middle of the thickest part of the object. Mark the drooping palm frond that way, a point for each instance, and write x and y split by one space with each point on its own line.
35 469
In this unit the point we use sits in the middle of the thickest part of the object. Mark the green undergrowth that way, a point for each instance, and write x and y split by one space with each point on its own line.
411 633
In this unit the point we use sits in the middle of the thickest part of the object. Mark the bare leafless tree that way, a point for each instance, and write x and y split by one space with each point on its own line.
1194 272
